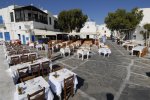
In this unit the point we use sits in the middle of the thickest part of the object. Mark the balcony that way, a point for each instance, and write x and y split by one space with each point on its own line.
30 13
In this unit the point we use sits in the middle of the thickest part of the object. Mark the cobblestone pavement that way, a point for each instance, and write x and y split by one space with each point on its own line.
118 77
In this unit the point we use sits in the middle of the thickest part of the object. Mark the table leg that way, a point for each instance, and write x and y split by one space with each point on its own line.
140 55
59 97
82 57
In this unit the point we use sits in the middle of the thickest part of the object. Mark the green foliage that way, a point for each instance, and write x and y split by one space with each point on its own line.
122 20
71 20
146 34
147 27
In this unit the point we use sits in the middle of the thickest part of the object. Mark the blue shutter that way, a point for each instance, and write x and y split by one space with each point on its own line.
1 35
7 36
1 20
33 38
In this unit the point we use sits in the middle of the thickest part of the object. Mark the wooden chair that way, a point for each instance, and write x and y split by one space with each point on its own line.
38 95
27 78
56 68
35 69
23 73
19 51
32 57
45 68
12 53
144 51
24 58
15 60
68 87
26 51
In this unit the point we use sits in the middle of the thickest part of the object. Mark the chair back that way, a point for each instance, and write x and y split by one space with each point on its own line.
19 51
45 67
27 78
35 69
23 72
56 68
24 58
32 57
26 51
38 95
15 60
12 53
68 86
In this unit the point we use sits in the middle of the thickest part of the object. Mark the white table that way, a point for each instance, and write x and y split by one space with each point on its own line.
9 57
31 45
138 48
130 45
58 83
39 46
65 50
32 86
105 51
13 69
83 52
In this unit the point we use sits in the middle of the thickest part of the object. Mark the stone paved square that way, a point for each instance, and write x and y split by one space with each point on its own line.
118 77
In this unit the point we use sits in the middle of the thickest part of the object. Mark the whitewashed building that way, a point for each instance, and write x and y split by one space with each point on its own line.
146 19
26 23
91 30
103 30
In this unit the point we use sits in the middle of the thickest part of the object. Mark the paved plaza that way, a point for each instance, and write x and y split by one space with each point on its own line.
118 77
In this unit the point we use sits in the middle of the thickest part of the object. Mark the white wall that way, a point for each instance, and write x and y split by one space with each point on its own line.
145 20
89 27
13 27
103 30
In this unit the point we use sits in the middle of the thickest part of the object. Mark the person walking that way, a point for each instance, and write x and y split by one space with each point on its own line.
104 38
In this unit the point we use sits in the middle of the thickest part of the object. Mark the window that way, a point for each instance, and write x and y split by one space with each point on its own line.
29 16
1 20
19 27
134 36
11 17
50 22
56 24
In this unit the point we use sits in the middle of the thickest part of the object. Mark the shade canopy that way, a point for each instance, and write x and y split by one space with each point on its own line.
83 33
44 32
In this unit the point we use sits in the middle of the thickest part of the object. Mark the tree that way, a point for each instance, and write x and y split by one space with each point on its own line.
124 21
146 34
71 20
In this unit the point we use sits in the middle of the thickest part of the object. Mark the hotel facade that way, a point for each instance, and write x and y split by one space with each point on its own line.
26 23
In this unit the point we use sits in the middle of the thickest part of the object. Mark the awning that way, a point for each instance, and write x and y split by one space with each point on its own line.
44 32
86 33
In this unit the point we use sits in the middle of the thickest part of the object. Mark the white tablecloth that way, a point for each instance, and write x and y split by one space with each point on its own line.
105 51
130 45
31 86
13 69
83 52
65 50
39 46
9 57
138 48
58 83
31 45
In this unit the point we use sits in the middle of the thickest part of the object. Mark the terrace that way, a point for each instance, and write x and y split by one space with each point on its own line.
117 77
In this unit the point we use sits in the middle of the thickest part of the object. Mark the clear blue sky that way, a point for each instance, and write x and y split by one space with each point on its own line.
97 10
